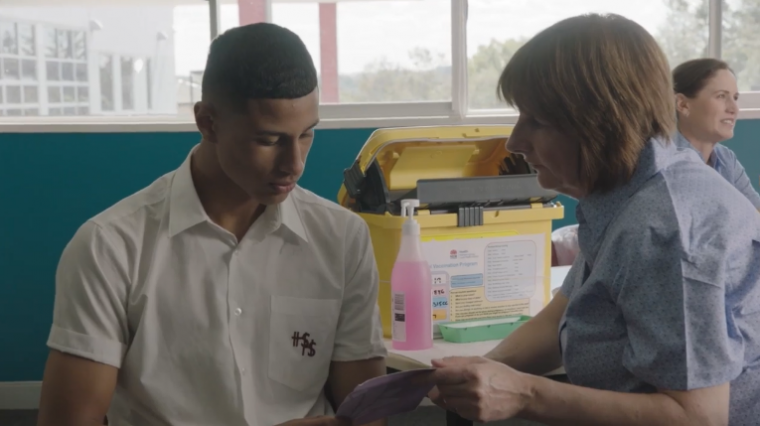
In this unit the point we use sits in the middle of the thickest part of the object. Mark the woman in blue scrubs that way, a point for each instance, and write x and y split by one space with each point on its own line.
707 105
658 321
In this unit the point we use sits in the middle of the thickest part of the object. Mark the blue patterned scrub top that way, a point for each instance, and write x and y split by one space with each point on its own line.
724 161
666 290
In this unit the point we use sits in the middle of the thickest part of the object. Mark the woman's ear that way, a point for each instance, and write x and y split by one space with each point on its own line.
682 105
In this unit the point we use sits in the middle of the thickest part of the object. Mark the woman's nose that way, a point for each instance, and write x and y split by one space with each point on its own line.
517 142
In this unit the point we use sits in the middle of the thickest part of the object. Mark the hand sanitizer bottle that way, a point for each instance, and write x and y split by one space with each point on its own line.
411 288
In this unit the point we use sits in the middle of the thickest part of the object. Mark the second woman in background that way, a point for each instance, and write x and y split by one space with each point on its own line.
706 102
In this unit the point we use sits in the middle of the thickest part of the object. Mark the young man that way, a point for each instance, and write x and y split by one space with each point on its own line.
222 294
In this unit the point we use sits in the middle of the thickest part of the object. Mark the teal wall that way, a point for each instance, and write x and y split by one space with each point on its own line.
51 183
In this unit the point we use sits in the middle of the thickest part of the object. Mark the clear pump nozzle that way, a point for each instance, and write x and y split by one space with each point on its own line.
408 206
411 226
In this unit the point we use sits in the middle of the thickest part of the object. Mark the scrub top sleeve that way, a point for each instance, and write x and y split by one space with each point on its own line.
89 315
574 276
676 320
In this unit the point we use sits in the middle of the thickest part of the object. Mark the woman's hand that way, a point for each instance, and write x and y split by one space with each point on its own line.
480 389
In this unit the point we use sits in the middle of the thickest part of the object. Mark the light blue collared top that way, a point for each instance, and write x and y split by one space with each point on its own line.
665 292
724 161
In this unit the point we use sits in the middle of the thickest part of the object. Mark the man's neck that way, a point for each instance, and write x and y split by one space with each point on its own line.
225 203
703 147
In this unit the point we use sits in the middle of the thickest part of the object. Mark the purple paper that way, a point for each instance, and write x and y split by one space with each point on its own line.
386 396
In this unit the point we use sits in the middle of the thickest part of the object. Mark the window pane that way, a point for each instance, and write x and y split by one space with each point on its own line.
31 112
64 44
53 70
13 94
29 69
70 111
378 51
127 83
8 39
54 94
174 33
149 82
30 95
11 69
83 94
26 40
14 112
69 94
51 46
81 71
741 44
679 26
54 111
79 45
1 95
106 83
67 71
83 111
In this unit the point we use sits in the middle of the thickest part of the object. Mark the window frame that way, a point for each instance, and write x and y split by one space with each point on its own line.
356 115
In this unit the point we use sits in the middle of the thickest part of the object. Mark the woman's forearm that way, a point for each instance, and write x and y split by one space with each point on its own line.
556 404
532 348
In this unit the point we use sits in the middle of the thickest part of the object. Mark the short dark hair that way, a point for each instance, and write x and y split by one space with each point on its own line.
602 79
691 77
258 61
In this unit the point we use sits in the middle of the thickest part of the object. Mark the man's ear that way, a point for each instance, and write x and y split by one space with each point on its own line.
204 119
682 104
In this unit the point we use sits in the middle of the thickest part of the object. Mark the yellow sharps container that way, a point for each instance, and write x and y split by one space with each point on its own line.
485 222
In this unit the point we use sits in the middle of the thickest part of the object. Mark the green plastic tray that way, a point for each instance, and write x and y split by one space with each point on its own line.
481 330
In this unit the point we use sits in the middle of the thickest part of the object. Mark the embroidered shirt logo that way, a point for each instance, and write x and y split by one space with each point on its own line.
307 346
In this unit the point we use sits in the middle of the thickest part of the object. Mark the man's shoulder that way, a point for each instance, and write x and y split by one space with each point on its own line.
131 213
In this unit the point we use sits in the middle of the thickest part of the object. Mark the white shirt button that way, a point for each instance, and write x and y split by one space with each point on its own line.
238 311
242 371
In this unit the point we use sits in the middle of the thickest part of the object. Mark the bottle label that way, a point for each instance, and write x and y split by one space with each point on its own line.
399 317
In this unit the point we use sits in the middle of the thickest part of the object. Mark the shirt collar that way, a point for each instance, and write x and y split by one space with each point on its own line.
290 216
186 210
596 211
681 142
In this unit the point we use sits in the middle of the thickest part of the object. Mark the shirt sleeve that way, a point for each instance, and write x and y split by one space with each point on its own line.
674 308
742 182
360 334
574 276
89 315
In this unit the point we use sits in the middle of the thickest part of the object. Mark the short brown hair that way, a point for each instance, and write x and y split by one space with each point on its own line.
691 77
604 80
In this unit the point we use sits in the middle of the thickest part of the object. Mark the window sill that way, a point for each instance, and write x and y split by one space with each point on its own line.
147 124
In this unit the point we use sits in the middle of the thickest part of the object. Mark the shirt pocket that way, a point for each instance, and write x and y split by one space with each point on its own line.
301 339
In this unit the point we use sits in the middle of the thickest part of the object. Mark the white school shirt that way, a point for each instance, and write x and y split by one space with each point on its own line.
206 331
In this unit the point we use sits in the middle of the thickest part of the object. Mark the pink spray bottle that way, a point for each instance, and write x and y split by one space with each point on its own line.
411 287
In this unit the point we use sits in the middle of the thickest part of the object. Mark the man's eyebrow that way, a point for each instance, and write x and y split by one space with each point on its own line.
316 123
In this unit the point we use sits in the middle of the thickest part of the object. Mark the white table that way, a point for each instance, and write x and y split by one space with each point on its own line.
411 360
